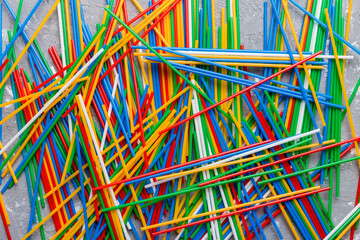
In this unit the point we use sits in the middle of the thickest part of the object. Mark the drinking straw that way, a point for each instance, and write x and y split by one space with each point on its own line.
61 35
246 82
239 54
202 152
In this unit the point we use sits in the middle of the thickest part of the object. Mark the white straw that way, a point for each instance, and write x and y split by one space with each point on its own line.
190 23
306 82
347 57
63 60
208 192
116 81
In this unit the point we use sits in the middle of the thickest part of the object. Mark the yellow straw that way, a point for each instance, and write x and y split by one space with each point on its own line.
3 207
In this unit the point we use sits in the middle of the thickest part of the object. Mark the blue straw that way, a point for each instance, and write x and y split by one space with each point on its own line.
36 188
82 195
296 72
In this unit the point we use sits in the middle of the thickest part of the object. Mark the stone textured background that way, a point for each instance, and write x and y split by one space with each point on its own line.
251 12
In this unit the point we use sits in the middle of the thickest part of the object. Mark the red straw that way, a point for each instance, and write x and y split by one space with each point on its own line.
50 78
4 64
5 225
